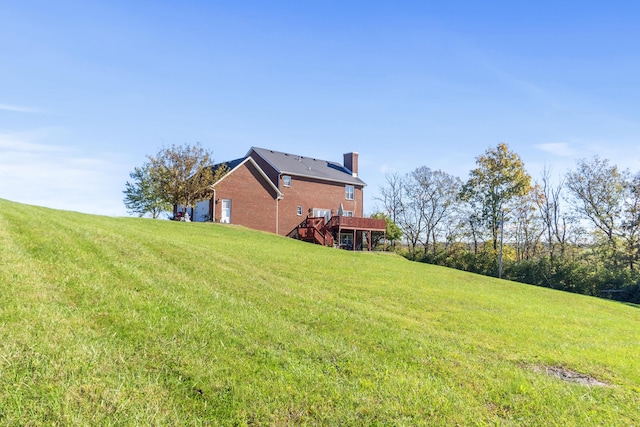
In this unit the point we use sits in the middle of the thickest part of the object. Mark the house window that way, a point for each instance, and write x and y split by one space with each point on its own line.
346 240
286 180
299 210
347 213
349 192
326 213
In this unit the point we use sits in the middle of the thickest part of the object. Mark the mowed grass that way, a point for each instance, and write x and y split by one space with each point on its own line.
126 321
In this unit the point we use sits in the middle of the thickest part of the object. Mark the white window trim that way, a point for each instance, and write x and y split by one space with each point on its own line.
299 210
347 192
318 212
284 180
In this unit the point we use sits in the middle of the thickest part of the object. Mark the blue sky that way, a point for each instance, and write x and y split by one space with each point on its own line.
89 88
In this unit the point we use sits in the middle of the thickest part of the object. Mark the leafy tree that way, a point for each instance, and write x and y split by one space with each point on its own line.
598 191
631 221
471 225
393 232
454 230
143 195
499 179
434 194
184 174
527 225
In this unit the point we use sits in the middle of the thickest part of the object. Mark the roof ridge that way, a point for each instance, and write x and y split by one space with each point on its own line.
311 167
292 154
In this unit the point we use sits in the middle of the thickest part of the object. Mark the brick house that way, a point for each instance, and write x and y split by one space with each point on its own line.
291 195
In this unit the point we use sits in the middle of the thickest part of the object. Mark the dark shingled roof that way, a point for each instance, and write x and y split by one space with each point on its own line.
231 164
293 164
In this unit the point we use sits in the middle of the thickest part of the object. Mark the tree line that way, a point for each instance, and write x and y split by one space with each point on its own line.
580 234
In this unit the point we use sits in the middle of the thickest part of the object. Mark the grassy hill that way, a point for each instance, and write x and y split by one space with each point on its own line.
126 321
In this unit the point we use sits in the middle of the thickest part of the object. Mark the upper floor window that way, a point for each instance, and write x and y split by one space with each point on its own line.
349 192
286 180
299 210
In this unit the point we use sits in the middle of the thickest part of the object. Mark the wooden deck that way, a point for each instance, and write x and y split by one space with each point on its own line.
346 232
354 223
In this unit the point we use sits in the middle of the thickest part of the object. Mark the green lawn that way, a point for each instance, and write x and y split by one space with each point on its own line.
126 321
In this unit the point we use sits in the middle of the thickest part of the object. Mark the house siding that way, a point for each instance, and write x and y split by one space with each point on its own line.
309 194
254 203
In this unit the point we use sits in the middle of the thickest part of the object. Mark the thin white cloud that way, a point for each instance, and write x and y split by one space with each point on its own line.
561 149
23 142
59 177
18 109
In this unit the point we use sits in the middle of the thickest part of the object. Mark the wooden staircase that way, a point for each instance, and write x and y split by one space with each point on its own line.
313 230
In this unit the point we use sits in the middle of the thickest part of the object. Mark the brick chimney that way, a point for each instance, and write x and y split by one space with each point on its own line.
351 162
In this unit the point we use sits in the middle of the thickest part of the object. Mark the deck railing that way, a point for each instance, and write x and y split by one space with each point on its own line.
315 229
356 223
